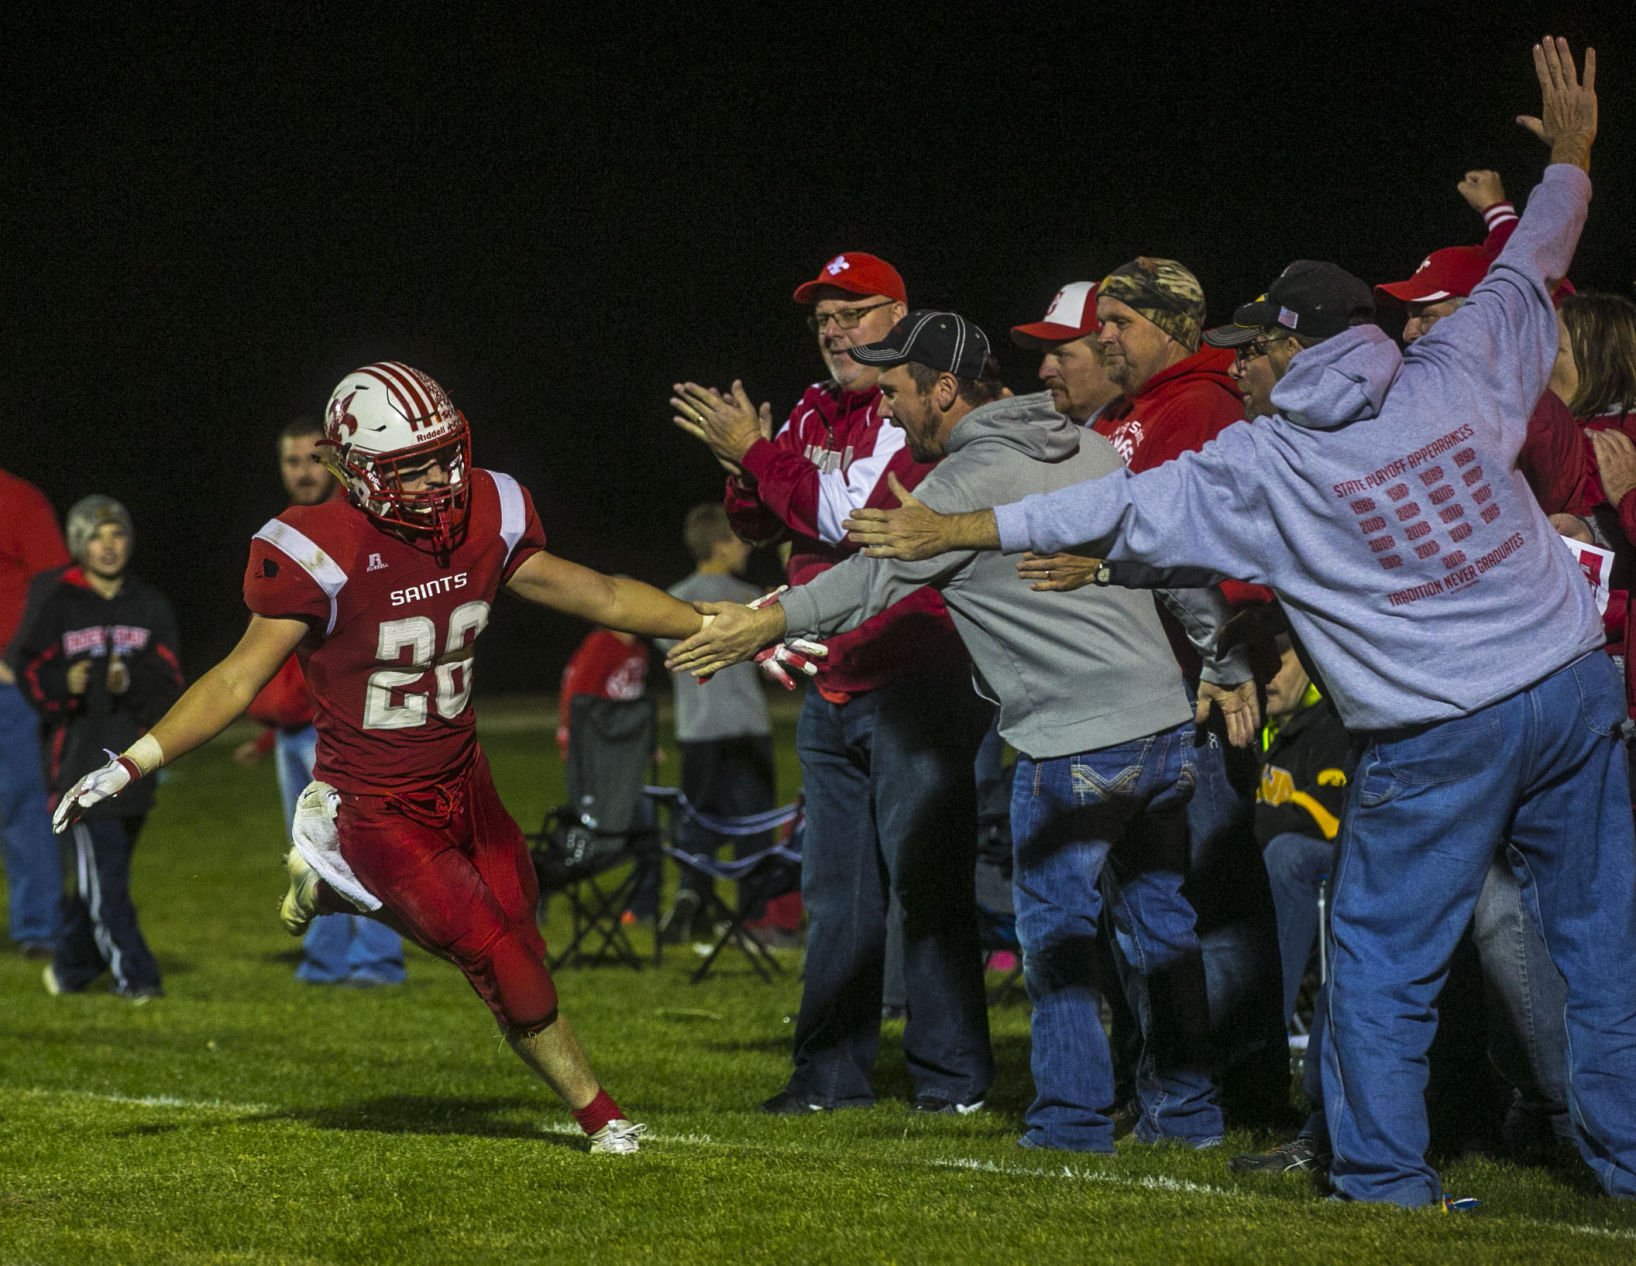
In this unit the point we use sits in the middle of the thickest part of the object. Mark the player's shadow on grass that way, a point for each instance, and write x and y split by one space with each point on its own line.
433 1114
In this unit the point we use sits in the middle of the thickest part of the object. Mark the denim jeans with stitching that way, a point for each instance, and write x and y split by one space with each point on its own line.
1122 808
1425 817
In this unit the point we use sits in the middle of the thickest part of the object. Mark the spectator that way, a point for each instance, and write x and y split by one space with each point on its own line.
98 660
30 544
1298 808
1073 364
1177 396
722 728
1470 724
338 949
1094 705
887 736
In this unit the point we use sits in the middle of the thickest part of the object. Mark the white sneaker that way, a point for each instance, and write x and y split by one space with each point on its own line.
617 1138
300 904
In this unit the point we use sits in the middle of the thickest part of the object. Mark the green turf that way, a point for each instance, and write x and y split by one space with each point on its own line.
247 1118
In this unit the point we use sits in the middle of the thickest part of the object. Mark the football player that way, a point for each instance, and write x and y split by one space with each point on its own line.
382 594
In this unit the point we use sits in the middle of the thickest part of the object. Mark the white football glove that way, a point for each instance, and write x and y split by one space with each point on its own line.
100 784
797 653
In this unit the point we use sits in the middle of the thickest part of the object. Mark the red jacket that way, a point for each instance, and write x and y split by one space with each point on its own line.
1180 410
30 543
831 458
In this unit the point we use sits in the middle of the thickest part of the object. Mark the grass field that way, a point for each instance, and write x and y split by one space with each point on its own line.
247 1118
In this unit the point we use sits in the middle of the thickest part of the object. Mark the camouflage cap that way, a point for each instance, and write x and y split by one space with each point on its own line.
1163 291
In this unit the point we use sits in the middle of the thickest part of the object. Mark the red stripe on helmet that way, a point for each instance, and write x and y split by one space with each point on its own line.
401 386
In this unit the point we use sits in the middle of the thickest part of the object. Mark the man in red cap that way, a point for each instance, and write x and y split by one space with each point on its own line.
887 736
1073 366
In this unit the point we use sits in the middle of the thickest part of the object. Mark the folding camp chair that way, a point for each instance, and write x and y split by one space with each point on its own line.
607 825
780 861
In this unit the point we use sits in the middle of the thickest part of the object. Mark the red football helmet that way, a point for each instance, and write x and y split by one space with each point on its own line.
389 425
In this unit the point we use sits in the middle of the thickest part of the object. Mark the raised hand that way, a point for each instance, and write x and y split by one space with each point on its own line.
1567 117
1615 463
1481 189
727 423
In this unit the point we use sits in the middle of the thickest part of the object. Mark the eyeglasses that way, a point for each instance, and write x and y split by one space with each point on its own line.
846 318
1253 350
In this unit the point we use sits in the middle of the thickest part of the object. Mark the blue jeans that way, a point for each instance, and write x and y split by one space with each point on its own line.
1424 816
1238 933
1526 1001
891 807
338 948
1123 808
33 870
1296 865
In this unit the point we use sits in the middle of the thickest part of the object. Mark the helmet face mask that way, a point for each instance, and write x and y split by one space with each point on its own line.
404 453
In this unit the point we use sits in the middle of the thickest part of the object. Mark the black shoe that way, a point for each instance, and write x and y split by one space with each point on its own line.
140 995
34 949
787 1103
1301 1155
942 1105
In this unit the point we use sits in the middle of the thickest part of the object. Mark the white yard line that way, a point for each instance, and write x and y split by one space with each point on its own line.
1133 1182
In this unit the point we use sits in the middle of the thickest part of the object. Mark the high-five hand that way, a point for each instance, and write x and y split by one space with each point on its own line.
1567 117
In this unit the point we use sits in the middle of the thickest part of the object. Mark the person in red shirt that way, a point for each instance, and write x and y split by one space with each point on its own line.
338 949
888 735
608 664
383 595
1178 396
30 544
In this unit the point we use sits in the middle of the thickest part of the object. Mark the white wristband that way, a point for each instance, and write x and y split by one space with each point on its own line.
145 754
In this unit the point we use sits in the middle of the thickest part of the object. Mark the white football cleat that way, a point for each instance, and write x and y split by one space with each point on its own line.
617 1138
300 904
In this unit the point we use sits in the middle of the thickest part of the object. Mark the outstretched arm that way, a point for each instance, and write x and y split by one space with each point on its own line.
205 709
615 602
914 531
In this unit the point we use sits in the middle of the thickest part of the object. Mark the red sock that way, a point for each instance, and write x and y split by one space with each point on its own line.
596 1114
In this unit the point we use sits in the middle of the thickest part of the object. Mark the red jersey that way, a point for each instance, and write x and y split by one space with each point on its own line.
605 665
388 658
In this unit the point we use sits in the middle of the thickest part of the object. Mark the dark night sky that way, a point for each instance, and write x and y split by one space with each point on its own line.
211 219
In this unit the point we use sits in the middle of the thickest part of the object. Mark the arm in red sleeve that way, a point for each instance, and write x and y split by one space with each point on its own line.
1501 222
1554 459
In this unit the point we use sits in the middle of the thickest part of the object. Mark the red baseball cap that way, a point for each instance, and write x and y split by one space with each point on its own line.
1072 314
1451 273
856 273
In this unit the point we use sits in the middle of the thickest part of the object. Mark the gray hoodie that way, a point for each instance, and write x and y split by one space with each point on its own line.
1072 672
1381 500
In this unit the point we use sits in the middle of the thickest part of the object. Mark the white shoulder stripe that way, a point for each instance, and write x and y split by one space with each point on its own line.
513 510
299 548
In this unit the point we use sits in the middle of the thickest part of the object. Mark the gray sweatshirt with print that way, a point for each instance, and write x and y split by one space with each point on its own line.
1381 500
1071 672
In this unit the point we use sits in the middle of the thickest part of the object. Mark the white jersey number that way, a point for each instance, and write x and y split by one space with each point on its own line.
395 698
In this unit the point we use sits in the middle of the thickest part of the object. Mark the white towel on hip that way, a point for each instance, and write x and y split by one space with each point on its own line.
317 839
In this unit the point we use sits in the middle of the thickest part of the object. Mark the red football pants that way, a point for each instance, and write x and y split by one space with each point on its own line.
452 870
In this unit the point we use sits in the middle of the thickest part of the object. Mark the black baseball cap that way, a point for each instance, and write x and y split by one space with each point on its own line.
944 341
1310 297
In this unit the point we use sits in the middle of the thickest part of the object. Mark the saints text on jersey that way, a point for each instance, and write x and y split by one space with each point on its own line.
430 589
